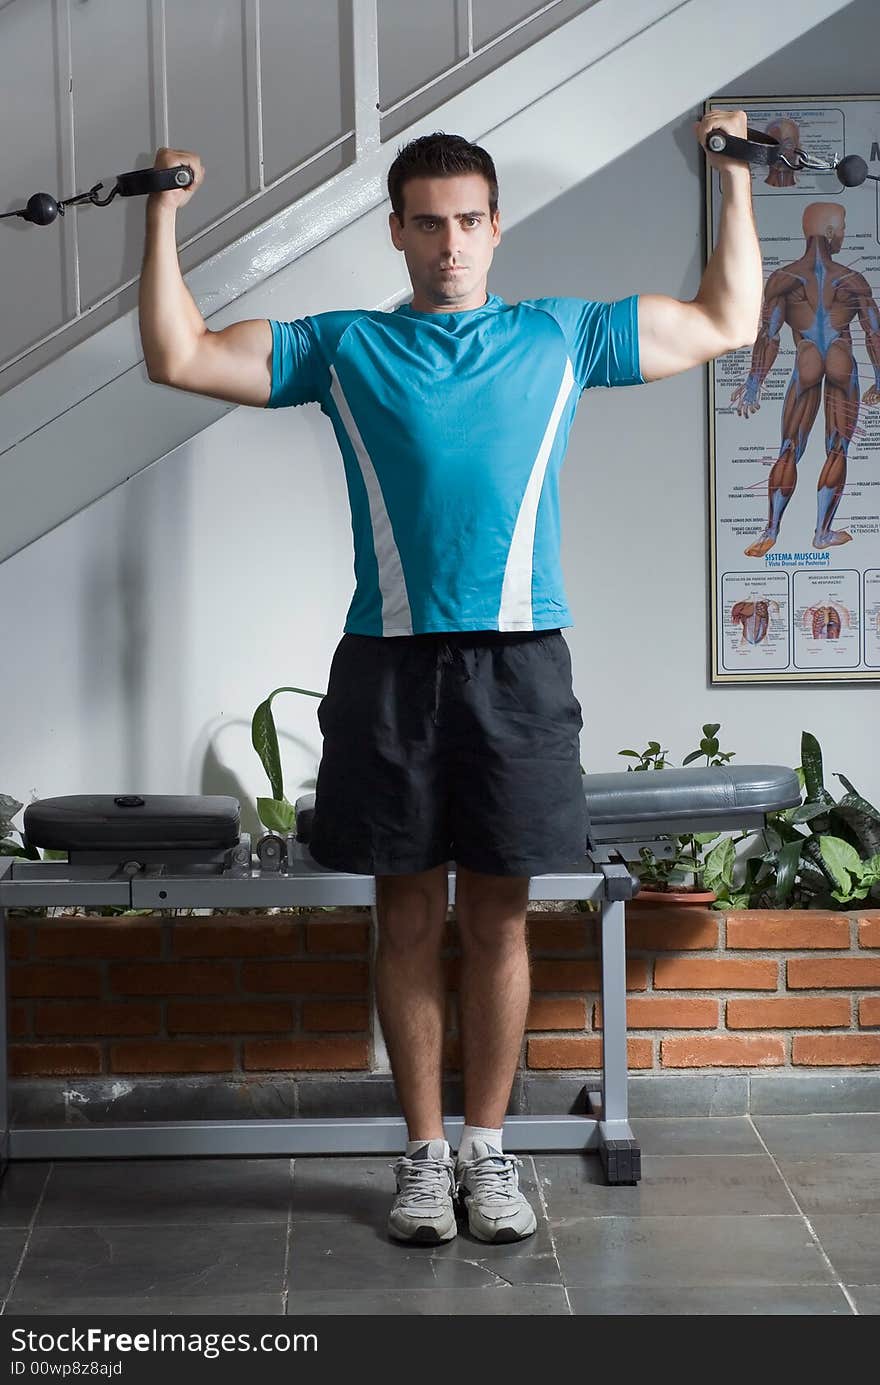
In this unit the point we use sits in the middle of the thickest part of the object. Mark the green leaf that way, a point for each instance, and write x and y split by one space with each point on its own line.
9 808
276 815
718 866
704 837
805 813
264 738
712 728
811 756
688 759
634 753
841 859
863 803
786 870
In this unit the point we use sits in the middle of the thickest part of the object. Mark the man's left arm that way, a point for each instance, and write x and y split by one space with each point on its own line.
675 335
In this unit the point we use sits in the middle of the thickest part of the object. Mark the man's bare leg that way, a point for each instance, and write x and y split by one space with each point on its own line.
494 989
410 991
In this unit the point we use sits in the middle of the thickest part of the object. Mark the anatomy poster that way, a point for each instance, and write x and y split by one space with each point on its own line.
795 418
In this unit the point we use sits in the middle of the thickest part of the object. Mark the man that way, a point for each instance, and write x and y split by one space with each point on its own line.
450 726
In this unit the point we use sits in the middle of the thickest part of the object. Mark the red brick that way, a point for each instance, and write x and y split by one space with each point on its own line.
228 936
173 978
545 1013
171 1055
337 937
722 1051
550 934
96 1017
344 1016
790 1012
869 1011
835 1050
19 1022
92 938
306 978
584 1053
32 979
229 1017
584 976
656 928
715 974
18 947
842 973
869 929
53 1060
298 1055
787 928
662 1012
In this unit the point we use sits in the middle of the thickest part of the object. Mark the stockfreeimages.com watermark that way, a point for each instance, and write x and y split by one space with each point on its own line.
91 1340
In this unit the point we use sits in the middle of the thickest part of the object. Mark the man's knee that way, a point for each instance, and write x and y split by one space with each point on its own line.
490 909
412 909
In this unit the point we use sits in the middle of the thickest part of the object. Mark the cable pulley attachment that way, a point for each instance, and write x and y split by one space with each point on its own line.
759 148
42 208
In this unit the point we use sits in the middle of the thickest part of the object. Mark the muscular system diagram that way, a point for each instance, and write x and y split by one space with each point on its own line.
817 298
824 621
753 617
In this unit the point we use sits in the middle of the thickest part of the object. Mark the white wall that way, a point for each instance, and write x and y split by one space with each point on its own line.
139 636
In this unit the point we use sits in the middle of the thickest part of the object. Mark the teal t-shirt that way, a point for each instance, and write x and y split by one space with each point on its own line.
452 429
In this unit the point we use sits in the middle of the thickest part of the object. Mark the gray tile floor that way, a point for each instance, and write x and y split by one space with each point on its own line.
734 1215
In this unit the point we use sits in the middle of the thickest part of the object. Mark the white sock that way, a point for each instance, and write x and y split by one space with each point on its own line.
413 1145
478 1132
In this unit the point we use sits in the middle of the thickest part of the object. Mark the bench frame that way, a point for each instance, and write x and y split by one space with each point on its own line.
603 1126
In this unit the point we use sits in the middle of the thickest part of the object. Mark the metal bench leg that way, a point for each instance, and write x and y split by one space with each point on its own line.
618 1149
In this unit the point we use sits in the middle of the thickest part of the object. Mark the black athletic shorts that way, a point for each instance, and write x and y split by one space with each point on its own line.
457 746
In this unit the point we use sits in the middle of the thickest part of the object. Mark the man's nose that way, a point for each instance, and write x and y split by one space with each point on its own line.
449 242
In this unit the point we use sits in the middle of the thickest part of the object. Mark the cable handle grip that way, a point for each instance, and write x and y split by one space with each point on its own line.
145 180
757 148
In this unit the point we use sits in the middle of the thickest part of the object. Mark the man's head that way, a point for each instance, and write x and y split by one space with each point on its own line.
825 219
444 195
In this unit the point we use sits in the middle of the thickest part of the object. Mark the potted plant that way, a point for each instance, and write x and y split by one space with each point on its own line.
821 854
679 878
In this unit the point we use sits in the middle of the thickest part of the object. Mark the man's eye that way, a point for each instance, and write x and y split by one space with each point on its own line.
471 219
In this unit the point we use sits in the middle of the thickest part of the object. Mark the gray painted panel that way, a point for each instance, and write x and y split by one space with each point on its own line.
208 111
113 132
489 61
493 17
32 283
416 43
307 80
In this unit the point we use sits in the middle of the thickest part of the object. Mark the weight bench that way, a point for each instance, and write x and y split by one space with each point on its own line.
165 852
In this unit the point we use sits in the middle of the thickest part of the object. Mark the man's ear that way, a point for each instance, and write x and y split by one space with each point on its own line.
496 226
395 228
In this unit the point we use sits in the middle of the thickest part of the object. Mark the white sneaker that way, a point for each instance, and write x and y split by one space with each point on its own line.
488 1186
423 1210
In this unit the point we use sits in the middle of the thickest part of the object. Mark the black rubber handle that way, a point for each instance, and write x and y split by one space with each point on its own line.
757 148
144 180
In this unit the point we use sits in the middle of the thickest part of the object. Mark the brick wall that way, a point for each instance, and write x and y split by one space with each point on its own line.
282 993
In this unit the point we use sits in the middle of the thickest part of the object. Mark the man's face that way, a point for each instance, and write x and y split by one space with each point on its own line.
448 239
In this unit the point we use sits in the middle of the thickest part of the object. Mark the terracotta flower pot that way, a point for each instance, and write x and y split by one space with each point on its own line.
650 896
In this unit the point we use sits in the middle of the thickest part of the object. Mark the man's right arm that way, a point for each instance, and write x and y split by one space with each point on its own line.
180 350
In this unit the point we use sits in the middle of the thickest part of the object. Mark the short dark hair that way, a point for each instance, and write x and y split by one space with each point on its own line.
439 156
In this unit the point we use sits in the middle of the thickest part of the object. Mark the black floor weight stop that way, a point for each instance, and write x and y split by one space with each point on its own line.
758 148
42 208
